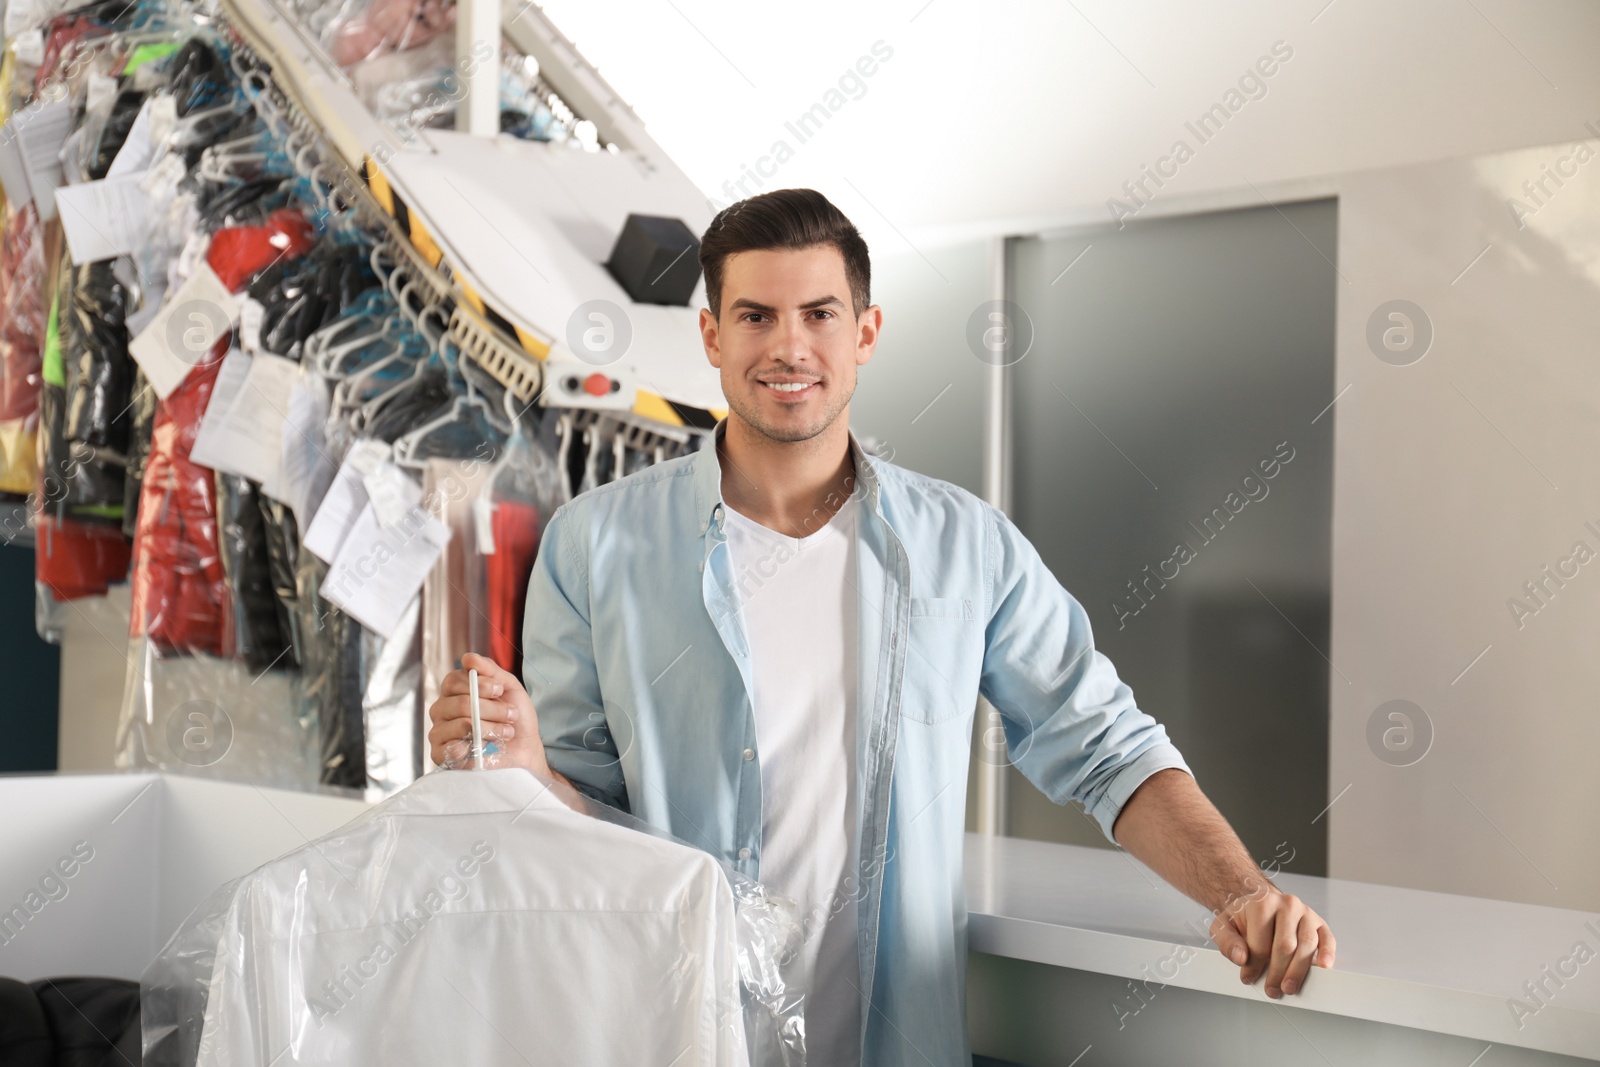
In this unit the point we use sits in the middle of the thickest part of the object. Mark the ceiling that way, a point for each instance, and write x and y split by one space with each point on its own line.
1012 116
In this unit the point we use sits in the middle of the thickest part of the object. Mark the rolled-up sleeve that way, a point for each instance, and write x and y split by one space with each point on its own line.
558 666
1071 725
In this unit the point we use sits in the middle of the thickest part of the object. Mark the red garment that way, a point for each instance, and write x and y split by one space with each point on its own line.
516 543
180 592
62 35
78 559
181 598
239 253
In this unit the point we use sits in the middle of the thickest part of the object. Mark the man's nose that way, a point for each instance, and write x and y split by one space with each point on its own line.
789 342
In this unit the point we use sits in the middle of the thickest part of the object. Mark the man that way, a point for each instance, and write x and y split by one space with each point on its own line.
773 649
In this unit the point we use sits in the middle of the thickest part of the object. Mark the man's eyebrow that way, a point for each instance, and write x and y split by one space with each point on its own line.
768 309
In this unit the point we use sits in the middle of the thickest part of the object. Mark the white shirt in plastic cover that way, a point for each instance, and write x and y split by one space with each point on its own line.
473 918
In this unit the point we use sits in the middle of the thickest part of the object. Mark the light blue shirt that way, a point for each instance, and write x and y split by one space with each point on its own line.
639 668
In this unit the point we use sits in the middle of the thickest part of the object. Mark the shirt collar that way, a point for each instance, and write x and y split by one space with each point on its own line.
708 476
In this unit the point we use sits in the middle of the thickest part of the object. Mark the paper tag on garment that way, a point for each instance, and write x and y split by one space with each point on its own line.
21 16
391 492
367 455
483 525
100 93
153 300
41 130
106 218
305 469
242 429
163 119
160 182
184 330
30 48
250 315
380 569
345 499
137 151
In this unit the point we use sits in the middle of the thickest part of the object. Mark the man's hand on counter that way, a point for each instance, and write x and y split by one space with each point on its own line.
1266 930
1174 830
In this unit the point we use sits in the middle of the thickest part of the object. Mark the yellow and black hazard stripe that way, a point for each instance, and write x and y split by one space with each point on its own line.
648 405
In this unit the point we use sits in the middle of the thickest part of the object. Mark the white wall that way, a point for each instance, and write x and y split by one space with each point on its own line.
1456 480
138 852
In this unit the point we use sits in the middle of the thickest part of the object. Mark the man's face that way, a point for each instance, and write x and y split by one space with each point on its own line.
787 343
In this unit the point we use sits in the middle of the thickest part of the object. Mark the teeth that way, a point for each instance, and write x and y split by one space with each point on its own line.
788 387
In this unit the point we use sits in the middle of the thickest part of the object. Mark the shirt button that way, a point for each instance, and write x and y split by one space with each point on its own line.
749 753
744 853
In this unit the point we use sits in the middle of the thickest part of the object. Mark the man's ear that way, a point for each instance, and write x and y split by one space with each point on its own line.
709 338
868 327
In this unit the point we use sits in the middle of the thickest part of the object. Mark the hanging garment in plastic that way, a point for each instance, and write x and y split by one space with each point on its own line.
524 490
330 675
94 353
475 918
180 590
377 27
22 326
260 641
141 421
236 253
516 543
80 548
453 594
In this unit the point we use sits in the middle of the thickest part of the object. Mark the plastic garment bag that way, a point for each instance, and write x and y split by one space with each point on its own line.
474 918
141 420
330 677
523 492
300 296
259 639
456 590
180 590
22 326
94 341
368 29
80 548
391 702
238 252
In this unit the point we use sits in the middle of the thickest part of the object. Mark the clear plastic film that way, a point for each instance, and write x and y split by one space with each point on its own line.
411 89
80 549
523 490
260 638
456 587
356 31
208 717
180 590
391 703
22 328
330 677
188 704
474 917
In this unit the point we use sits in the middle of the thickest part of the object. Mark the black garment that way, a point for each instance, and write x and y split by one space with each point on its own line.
69 1022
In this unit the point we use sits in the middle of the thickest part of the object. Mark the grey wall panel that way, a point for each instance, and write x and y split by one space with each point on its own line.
922 392
1171 360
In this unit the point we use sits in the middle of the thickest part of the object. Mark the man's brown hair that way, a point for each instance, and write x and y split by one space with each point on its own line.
784 219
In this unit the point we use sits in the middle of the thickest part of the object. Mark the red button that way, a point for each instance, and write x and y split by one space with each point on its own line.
597 385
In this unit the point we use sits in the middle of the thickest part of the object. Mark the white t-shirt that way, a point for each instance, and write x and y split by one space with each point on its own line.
798 596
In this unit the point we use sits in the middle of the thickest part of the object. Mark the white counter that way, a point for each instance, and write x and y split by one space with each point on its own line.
1432 961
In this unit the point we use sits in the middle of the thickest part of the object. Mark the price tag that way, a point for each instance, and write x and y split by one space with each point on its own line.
250 315
483 525
391 492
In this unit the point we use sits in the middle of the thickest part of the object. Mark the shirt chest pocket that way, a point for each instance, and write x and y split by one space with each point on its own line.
940 683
